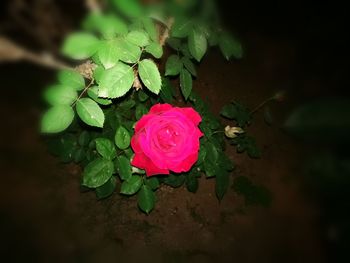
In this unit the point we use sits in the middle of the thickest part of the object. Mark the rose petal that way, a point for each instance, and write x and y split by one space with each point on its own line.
143 162
143 122
192 115
186 164
159 108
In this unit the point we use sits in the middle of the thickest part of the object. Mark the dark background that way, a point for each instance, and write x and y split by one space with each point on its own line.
299 47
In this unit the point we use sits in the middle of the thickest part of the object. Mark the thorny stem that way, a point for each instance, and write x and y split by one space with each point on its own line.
83 92
261 105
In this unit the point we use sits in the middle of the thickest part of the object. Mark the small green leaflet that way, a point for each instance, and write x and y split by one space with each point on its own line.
128 52
132 185
150 29
152 182
122 138
181 27
71 79
140 111
124 167
138 37
185 83
230 46
106 148
155 49
192 182
130 8
106 189
97 173
84 138
116 82
197 44
150 76
108 25
60 95
90 113
80 45
146 199
173 66
108 54
93 94
189 65
57 119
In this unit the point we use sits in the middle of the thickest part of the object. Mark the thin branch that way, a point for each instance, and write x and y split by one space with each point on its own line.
165 35
9 51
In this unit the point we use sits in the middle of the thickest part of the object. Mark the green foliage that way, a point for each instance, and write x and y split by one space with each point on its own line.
122 138
123 45
71 79
132 185
245 143
57 119
97 173
116 81
80 45
90 113
253 194
150 75
237 112
146 199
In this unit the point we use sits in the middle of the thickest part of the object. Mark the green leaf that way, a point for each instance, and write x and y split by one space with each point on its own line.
166 92
197 44
132 185
155 49
181 27
108 25
98 73
140 111
174 43
222 181
130 8
173 66
106 148
80 45
71 78
60 95
116 82
150 29
201 155
138 37
93 94
237 112
246 143
142 96
189 65
152 182
108 54
84 138
90 113
106 189
192 181
57 119
97 173
185 83
150 76
230 46
124 167
175 180
79 155
146 199
128 52
122 138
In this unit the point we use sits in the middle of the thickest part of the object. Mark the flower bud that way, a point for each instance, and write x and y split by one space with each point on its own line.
233 132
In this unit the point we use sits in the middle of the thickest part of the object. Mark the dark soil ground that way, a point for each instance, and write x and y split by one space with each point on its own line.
45 218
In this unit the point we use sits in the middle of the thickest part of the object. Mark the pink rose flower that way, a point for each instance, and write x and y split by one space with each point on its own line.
166 139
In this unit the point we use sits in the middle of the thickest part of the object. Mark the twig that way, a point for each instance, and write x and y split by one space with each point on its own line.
9 51
164 36
83 92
